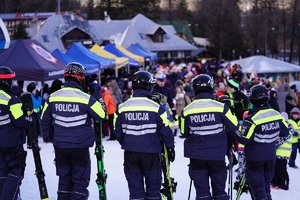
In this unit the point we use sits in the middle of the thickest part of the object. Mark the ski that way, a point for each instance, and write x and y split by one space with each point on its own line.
241 187
33 139
99 152
169 184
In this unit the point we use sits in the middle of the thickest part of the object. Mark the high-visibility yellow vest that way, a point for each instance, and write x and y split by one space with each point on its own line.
285 148
296 129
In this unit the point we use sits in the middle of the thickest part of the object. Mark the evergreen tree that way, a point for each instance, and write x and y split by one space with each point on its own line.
20 32
220 21
69 5
90 9
182 11
149 8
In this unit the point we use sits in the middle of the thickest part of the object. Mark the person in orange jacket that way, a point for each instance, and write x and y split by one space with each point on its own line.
111 108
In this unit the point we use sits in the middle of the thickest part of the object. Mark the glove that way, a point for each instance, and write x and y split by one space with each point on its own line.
28 121
171 155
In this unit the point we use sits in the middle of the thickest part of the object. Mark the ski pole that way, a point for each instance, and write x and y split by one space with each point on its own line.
230 173
190 189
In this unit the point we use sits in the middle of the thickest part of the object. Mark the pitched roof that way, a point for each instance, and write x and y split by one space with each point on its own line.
112 30
122 32
136 30
181 27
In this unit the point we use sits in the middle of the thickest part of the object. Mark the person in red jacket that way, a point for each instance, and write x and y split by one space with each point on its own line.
111 108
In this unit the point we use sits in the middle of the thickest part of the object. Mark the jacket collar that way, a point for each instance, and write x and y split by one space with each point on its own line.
72 84
204 95
141 93
262 107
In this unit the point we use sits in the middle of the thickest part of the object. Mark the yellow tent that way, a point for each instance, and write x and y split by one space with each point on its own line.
120 61
140 59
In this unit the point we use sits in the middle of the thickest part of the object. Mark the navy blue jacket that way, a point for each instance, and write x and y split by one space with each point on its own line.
203 122
12 121
141 123
71 110
165 91
260 131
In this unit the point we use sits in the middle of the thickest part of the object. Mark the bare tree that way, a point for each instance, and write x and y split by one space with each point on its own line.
220 22
7 6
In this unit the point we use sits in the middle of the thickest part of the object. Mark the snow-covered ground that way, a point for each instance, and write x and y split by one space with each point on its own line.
116 182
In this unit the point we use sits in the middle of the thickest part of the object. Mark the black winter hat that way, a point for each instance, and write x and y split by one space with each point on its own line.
31 87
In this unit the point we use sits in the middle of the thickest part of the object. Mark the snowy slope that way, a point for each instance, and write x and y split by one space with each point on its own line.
116 182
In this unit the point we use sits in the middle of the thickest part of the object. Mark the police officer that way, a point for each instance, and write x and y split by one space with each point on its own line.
71 110
203 124
140 124
259 133
12 137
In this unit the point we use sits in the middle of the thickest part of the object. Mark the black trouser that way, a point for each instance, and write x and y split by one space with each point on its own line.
139 167
281 176
259 175
201 170
73 166
12 166
111 126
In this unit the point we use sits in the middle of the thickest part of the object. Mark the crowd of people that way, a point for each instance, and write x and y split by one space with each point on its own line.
216 109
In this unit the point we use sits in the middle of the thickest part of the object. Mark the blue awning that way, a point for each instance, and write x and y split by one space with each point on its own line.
83 55
153 56
91 68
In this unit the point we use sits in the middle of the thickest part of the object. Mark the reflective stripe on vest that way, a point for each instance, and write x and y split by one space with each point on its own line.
231 99
285 148
15 109
266 116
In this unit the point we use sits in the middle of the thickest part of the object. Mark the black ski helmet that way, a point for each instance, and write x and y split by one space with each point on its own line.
259 94
75 70
142 80
203 83
6 76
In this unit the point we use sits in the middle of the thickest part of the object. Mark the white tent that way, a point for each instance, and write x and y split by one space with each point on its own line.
263 65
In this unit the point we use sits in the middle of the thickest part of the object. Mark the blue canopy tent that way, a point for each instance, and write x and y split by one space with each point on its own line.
78 52
32 62
152 54
91 68
138 52
114 50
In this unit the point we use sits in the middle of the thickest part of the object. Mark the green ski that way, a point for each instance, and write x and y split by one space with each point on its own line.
99 152
169 185
241 187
